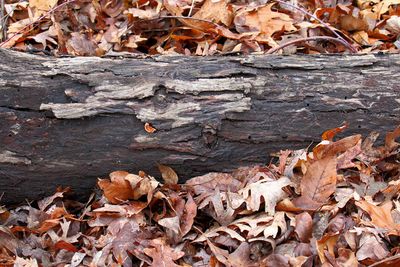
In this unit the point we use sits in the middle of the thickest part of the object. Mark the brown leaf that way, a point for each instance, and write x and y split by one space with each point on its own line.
148 128
327 148
117 189
8 240
344 160
347 258
371 248
319 181
241 256
162 254
275 260
380 215
262 20
168 174
189 215
216 11
327 242
390 140
80 45
303 228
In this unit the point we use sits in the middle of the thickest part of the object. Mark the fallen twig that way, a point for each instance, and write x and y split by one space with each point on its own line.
306 39
37 20
2 20
339 37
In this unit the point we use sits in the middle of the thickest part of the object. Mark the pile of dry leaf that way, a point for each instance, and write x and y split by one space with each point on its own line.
334 206
200 27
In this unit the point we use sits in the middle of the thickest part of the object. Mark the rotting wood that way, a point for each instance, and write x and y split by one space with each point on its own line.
67 121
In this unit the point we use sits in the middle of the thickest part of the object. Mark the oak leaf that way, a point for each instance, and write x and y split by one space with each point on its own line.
216 11
162 254
267 189
380 215
263 21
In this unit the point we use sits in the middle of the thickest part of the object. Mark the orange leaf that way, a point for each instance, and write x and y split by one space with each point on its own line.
326 242
329 134
263 20
216 12
117 189
380 215
65 245
47 225
148 128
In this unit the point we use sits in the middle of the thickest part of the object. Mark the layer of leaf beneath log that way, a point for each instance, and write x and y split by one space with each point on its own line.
251 217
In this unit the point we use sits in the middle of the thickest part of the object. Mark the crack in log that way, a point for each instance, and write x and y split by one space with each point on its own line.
24 109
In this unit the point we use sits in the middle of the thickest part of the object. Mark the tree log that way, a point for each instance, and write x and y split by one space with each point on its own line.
66 121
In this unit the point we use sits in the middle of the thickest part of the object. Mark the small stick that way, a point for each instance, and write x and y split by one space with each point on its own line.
347 44
190 18
3 20
39 19
191 8
306 39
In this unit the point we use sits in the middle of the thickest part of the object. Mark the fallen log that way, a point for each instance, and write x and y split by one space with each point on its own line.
66 121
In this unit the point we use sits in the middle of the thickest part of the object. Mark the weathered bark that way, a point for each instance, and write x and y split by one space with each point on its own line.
66 121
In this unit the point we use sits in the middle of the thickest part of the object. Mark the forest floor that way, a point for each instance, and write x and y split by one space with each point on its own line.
336 205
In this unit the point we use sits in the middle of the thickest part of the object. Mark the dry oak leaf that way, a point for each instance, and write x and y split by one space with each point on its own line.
263 21
380 215
268 189
216 11
42 6
162 254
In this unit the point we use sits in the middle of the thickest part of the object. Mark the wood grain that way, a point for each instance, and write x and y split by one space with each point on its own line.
67 121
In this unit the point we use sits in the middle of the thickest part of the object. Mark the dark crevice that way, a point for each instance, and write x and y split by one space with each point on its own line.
23 109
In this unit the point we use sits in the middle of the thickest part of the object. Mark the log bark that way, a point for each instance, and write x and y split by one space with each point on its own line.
66 121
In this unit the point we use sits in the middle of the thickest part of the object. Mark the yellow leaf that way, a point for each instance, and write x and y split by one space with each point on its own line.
42 6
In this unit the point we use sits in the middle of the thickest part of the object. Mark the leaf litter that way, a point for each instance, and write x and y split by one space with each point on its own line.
335 205
199 27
